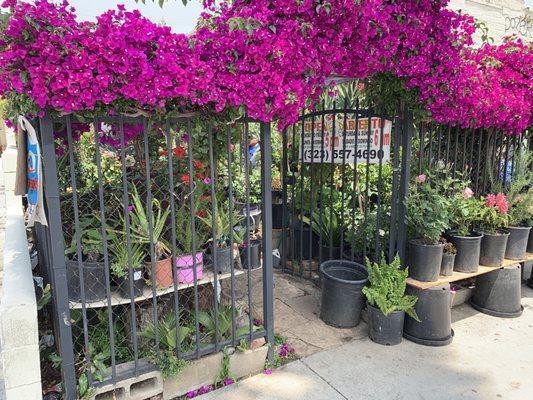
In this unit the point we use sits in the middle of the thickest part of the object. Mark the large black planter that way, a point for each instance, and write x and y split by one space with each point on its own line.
223 259
342 292
433 309
304 244
446 267
530 243
325 254
94 281
255 256
517 242
468 250
385 329
492 250
498 293
124 285
425 261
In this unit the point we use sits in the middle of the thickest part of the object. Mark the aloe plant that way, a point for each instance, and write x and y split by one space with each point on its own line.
327 224
119 251
223 225
166 332
140 224
225 313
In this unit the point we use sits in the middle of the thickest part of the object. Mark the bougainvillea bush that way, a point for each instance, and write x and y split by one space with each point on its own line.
270 57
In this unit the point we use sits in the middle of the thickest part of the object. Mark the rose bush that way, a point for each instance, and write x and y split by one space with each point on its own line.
271 57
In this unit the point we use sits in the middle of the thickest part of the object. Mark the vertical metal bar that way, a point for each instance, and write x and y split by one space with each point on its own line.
422 149
478 169
321 185
332 181
355 194
78 244
173 249
106 252
248 244
293 203
396 140
150 212
367 182
311 191
214 230
343 172
487 160
463 158
456 149
472 140
268 278
448 143
193 235
430 153
57 254
125 210
231 227
302 173
407 136
506 161
380 185
439 141
284 176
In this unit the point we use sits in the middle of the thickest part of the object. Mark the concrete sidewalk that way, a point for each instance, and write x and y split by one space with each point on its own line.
490 358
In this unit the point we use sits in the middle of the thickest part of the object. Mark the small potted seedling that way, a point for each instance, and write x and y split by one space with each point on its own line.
130 280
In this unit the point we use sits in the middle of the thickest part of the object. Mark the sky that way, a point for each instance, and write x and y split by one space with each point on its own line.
181 18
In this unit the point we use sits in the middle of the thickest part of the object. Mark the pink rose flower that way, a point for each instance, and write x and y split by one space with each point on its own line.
421 178
467 193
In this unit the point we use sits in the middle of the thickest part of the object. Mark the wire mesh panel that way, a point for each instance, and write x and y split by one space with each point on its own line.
345 175
162 226
484 157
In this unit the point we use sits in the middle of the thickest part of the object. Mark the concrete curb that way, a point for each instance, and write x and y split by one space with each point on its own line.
19 336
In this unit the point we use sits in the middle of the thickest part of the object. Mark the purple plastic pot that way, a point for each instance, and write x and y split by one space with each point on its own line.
185 267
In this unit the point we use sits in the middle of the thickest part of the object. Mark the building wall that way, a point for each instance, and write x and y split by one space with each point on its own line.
502 17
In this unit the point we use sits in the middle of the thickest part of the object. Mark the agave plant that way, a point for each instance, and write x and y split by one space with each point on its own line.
224 223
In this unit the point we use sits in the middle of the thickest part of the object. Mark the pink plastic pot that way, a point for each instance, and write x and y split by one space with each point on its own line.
185 267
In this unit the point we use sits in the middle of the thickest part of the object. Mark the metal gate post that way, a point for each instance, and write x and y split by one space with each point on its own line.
268 277
407 136
58 269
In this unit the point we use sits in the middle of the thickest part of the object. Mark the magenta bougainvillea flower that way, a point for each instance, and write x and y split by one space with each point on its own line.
271 56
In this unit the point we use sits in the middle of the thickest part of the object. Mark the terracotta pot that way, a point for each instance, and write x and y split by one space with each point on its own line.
163 272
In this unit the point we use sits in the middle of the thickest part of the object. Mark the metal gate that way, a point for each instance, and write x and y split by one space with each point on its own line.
345 176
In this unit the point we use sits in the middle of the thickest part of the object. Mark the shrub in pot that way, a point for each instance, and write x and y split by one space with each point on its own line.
427 217
190 237
326 223
492 219
159 266
387 301
85 269
520 221
130 280
448 259
223 232
464 212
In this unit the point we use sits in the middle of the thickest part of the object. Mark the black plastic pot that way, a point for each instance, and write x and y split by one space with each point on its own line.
468 250
498 293
530 243
277 216
93 280
255 256
433 309
223 259
303 245
446 267
325 252
124 287
424 261
517 242
492 251
342 292
385 329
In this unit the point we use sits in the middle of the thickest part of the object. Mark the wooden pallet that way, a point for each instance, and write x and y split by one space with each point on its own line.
459 276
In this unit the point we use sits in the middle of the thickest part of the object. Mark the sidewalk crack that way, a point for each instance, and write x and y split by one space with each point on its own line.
329 384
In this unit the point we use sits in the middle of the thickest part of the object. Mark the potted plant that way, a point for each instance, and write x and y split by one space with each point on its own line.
188 264
493 218
326 224
448 259
520 219
252 250
464 211
427 216
92 276
129 281
387 301
221 242
152 239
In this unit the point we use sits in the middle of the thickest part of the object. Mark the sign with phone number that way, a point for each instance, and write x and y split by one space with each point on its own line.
346 146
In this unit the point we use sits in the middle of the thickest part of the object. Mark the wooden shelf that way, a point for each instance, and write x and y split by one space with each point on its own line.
117 299
459 276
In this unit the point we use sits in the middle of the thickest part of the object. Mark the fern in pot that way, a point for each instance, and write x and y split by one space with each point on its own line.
387 301
427 217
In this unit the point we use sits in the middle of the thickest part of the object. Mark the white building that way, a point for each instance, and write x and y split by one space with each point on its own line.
502 17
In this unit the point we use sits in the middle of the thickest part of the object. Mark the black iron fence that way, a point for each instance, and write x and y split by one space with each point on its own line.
157 241
345 178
